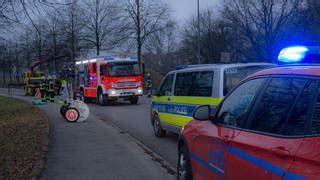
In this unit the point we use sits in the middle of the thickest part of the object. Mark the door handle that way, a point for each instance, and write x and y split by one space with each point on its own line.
281 152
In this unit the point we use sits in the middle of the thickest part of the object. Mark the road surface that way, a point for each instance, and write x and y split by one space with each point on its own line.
135 120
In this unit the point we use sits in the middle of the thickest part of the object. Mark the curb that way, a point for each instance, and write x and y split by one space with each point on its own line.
45 142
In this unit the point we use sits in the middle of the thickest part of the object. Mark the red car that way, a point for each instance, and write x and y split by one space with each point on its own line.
268 127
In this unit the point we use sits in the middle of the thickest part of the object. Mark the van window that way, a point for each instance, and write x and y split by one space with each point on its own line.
295 125
232 76
103 69
197 84
166 87
235 107
315 128
276 104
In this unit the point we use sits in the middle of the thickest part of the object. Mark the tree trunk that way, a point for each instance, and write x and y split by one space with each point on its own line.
139 40
17 64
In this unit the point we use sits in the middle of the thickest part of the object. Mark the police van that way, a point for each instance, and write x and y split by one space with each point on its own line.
182 90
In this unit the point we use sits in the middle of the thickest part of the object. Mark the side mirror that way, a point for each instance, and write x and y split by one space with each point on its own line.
202 113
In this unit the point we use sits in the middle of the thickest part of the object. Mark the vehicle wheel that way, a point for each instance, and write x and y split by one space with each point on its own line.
157 129
184 171
134 100
63 109
102 99
72 115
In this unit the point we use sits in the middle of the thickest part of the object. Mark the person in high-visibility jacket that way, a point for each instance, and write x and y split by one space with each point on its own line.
43 88
50 89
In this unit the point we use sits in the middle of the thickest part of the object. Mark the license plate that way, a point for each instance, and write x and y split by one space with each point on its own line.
127 92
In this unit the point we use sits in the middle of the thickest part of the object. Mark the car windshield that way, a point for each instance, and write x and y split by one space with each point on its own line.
232 76
124 69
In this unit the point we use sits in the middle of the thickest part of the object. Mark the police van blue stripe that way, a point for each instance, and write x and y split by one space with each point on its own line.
254 160
176 109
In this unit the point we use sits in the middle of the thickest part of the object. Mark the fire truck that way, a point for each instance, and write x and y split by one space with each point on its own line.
108 79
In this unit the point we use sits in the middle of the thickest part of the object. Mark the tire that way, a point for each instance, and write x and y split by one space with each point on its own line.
134 100
157 129
72 115
63 110
184 171
102 99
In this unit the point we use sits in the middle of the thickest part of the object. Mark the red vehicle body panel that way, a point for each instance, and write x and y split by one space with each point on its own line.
219 152
106 81
307 161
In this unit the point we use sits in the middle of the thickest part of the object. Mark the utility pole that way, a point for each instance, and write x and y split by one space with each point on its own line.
199 60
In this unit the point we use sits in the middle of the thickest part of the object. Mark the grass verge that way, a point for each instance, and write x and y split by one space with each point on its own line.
23 139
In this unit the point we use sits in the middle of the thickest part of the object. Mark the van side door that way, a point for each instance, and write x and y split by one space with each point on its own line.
161 102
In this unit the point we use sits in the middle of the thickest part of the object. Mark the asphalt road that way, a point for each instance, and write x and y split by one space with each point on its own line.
135 120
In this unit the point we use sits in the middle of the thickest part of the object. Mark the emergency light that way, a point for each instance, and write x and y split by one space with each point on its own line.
293 54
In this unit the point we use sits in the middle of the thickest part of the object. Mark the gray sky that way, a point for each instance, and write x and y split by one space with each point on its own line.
184 9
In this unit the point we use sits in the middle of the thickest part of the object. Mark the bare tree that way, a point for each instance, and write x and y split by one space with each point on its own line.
214 36
74 28
260 24
53 30
101 22
145 19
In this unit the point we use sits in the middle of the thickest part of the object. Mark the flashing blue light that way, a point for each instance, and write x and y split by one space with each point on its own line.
293 54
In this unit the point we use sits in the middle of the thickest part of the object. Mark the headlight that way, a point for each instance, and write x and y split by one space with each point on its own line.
113 92
139 90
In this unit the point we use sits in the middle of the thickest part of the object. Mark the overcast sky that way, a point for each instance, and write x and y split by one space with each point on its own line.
184 9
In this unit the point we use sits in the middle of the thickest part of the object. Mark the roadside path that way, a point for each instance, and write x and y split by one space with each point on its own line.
94 150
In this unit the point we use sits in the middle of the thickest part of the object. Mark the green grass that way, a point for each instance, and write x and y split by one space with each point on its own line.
23 129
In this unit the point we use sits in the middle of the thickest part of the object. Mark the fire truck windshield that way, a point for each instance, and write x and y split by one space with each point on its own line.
118 69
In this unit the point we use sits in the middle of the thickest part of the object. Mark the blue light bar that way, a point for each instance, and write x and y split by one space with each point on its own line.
293 54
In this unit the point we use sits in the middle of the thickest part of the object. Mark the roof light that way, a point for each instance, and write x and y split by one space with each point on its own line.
85 62
93 60
78 63
293 54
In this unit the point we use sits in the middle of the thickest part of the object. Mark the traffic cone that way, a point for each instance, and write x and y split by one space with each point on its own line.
38 93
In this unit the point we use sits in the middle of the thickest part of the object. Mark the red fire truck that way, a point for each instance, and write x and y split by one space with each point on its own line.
107 79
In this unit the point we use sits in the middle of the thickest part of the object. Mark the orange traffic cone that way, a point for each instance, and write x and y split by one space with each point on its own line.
38 93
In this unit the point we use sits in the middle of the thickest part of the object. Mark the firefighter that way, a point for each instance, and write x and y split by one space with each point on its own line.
148 84
43 88
63 83
50 89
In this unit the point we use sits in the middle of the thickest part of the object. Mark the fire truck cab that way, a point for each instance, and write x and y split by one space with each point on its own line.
107 79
